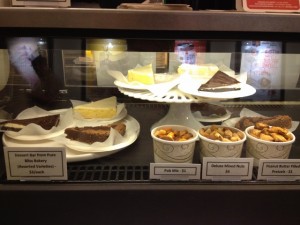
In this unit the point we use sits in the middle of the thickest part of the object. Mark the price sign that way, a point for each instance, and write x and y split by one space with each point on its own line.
271 5
175 171
229 169
47 3
279 169
35 163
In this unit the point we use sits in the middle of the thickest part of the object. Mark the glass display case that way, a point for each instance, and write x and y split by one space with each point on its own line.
52 61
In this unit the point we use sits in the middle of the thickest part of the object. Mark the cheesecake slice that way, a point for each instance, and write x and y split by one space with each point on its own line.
104 109
142 74
220 82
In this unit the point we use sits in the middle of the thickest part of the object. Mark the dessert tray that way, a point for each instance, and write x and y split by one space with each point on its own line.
172 96
33 135
192 89
76 151
180 114
183 89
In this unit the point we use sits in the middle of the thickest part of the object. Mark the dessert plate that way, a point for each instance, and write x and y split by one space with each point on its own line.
192 88
172 96
34 137
130 86
132 133
212 118
71 155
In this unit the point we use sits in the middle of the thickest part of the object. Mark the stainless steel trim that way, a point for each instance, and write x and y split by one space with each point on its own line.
94 18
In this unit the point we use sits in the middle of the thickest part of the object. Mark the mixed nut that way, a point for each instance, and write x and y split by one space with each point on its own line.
170 134
224 134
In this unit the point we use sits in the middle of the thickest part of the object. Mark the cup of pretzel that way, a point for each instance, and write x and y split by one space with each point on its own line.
268 142
174 144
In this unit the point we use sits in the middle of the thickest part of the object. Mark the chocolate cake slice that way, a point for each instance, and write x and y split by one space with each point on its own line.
219 82
284 121
46 122
91 134
208 109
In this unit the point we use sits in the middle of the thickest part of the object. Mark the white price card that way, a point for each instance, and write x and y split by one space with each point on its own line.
279 169
40 164
227 169
175 171
42 3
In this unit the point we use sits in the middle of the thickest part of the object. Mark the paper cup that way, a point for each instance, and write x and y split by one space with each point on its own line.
216 148
174 151
260 149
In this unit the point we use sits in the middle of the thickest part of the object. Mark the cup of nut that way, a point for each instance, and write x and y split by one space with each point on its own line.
173 144
268 142
221 141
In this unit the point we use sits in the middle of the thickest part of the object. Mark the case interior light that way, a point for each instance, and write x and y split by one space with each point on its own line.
109 46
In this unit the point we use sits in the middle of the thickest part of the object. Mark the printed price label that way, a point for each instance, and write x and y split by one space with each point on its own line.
230 169
35 163
53 3
271 5
279 169
175 171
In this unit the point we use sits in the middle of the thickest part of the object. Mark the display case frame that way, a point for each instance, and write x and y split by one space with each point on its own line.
149 202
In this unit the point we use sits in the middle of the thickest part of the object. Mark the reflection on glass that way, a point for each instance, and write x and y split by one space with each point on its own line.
262 61
29 59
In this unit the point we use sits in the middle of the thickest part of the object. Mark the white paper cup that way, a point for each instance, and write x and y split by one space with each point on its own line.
260 149
174 151
216 148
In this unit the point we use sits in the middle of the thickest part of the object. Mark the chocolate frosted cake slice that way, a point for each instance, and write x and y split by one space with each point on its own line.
208 109
284 121
46 122
220 82
90 134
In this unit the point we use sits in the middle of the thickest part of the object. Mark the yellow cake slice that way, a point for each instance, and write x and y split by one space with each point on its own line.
104 109
142 74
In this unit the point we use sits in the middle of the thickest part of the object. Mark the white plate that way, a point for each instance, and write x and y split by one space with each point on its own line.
172 96
78 153
130 136
192 88
231 122
71 155
211 119
35 137
130 86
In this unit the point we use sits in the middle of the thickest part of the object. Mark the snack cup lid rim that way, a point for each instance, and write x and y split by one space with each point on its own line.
269 142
